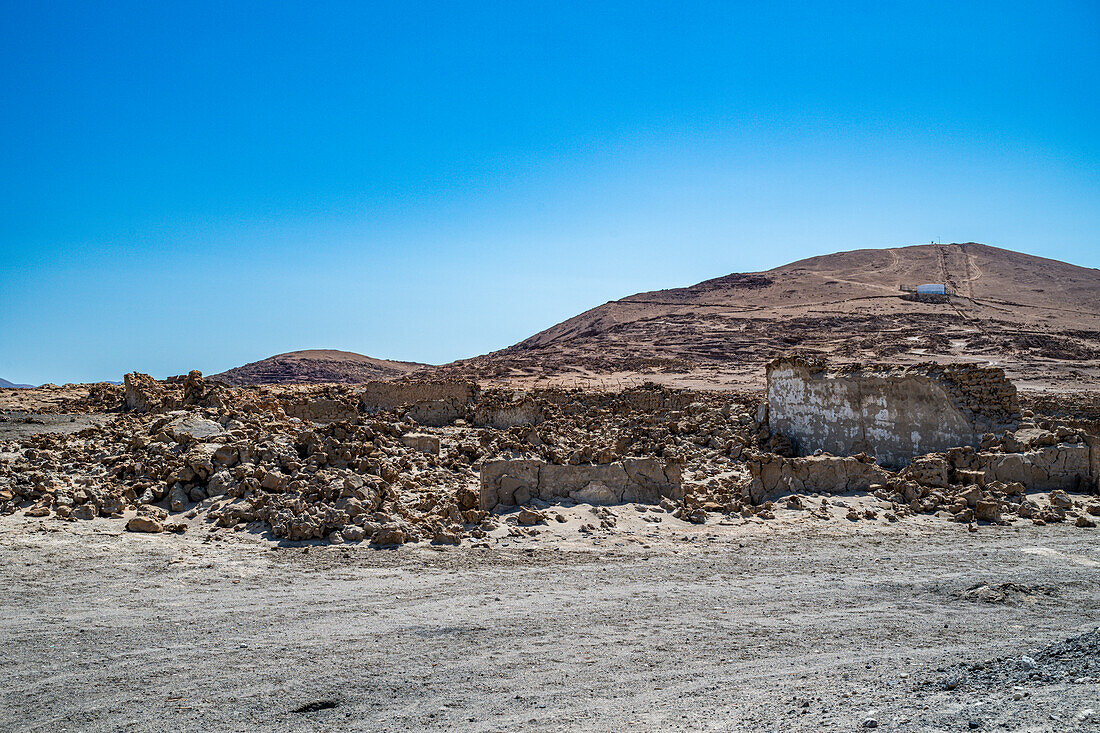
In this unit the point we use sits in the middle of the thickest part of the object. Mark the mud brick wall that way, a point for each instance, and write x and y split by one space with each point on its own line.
891 412
642 480
1068 466
435 403
774 476
319 409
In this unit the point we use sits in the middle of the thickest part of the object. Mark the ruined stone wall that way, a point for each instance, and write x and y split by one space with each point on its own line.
1093 442
434 403
505 409
893 413
642 480
1035 460
141 393
774 476
319 409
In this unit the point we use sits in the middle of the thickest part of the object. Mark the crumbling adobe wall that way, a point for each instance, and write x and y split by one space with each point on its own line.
319 409
1053 467
774 476
503 409
142 393
891 412
433 403
642 480
1041 460
1032 459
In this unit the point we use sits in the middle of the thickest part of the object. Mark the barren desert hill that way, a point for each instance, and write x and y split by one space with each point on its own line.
317 366
1037 317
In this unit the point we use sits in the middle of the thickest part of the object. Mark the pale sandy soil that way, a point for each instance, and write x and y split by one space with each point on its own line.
793 624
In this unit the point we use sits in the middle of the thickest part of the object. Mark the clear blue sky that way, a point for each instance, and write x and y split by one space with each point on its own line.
203 184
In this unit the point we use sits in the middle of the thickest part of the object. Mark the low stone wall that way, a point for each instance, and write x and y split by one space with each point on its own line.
1062 466
504 413
1093 442
774 476
319 409
642 480
428 403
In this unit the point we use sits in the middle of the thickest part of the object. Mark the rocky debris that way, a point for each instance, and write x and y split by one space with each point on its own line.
928 470
193 429
1004 592
1070 660
529 517
142 523
269 459
1060 500
245 462
142 393
389 536
244 466
445 537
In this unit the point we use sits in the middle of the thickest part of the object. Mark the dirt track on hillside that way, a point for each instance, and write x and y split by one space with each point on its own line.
776 626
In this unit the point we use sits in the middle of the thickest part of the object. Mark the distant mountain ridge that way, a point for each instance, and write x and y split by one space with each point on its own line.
9 385
317 366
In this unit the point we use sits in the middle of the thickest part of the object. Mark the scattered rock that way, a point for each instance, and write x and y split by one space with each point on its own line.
144 524
422 442
529 517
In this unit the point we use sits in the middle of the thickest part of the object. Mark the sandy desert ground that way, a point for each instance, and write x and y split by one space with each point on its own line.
782 625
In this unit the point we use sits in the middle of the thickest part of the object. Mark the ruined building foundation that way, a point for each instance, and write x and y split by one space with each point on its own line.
891 412
642 480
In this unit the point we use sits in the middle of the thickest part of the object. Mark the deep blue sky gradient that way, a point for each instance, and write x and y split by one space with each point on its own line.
199 185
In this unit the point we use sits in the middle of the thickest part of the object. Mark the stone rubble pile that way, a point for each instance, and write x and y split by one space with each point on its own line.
400 465
244 458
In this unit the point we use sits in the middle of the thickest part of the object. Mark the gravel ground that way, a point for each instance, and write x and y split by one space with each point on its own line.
15 425
776 626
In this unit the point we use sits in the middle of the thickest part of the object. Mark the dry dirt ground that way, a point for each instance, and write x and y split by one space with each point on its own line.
784 625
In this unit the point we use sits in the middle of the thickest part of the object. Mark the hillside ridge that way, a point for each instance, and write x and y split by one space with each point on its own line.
1036 316
317 366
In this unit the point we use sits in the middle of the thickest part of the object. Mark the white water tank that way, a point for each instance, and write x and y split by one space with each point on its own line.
932 289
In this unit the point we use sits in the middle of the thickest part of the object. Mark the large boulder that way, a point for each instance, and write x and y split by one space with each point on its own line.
193 429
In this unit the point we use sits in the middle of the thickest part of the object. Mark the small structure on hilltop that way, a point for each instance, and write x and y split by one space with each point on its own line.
889 411
928 291
932 289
